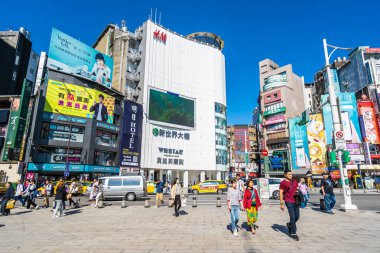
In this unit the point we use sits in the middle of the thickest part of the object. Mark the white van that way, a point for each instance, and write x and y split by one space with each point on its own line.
130 187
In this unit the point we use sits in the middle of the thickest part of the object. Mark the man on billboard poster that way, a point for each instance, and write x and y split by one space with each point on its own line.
100 109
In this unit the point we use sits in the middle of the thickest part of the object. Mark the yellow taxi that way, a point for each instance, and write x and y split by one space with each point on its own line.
3 188
209 186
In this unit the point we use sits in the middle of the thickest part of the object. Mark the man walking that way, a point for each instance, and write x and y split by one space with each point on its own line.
18 195
9 194
31 195
327 189
159 193
240 185
234 204
288 188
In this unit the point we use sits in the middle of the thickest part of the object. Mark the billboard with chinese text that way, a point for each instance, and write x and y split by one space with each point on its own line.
241 143
79 101
71 56
317 144
368 122
299 144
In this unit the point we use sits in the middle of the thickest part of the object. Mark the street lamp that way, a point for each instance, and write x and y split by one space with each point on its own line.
337 125
67 164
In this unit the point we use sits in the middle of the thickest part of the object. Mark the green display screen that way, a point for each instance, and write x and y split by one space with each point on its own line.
171 108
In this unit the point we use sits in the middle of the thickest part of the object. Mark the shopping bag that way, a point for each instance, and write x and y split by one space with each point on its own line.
10 204
184 202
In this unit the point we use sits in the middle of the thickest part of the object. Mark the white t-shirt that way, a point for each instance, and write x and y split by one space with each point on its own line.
99 116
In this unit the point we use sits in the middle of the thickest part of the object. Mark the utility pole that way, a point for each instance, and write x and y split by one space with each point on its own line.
337 127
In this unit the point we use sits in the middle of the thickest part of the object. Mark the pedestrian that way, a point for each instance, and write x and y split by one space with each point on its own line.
305 191
72 190
60 197
99 195
47 193
251 203
94 191
240 185
159 193
288 188
234 204
327 190
30 193
8 195
176 194
18 195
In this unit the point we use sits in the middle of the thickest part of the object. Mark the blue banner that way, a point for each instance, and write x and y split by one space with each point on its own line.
71 56
299 144
130 153
349 117
78 168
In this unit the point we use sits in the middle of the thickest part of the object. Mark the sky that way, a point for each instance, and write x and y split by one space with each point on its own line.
288 32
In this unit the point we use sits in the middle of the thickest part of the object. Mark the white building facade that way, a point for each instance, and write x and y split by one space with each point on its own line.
183 92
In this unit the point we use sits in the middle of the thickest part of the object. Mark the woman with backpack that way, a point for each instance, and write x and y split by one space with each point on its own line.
251 203
31 194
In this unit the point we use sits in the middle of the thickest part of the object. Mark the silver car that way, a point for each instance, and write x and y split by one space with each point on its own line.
130 187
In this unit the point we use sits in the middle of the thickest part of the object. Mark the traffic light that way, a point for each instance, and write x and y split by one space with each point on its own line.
333 160
346 157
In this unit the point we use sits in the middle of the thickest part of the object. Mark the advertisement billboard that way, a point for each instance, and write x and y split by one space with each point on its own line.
368 122
130 153
299 144
71 56
79 101
241 143
317 144
349 117
171 109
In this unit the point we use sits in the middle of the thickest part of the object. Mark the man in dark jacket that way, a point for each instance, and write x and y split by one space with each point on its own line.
100 110
160 193
9 194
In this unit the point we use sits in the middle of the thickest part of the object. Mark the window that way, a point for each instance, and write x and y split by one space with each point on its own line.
114 182
104 158
59 155
275 95
105 138
131 181
268 97
277 126
60 132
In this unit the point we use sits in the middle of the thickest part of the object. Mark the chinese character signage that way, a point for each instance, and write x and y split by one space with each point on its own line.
170 156
349 117
368 122
299 144
71 56
130 154
79 101
317 144
241 143
171 134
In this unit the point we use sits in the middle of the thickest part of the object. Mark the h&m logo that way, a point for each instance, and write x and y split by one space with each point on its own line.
160 36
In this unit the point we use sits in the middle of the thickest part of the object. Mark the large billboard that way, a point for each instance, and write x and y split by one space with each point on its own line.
79 101
299 144
130 154
349 117
171 109
241 143
71 56
317 144
368 122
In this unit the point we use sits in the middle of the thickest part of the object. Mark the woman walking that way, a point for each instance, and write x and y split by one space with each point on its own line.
251 202
305 191
60 196
72 191
176 193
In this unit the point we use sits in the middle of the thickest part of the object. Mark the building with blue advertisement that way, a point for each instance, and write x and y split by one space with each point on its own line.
299 146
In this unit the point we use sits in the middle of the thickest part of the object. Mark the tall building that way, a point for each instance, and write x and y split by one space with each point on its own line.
180 83
281 97
17 76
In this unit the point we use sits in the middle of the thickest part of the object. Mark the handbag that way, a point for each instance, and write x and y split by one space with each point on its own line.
10 204
171 202
298 195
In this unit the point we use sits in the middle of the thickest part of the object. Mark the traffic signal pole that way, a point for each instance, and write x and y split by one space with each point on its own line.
337 127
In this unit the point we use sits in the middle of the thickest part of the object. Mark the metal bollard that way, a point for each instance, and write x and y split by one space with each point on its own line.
218 202
100 203
146 205
123 203
194 204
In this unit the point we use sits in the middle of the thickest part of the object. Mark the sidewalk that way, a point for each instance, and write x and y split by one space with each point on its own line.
201 229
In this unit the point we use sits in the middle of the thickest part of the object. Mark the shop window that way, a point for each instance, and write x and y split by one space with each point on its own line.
59 155
104 158
114 182
60 132
105 138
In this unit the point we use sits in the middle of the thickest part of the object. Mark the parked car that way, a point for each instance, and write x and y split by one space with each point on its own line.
130 187
209 186
274 187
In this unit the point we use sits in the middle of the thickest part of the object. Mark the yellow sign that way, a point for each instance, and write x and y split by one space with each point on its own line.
317 144
79 101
